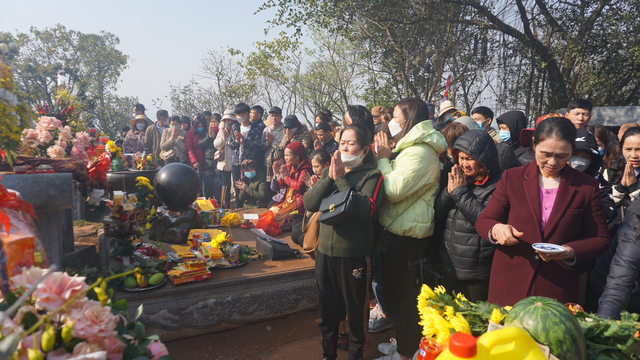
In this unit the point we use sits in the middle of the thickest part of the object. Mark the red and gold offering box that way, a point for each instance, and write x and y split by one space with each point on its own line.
188 279
19 248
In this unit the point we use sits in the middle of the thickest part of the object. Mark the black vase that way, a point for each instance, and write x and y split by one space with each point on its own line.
177 185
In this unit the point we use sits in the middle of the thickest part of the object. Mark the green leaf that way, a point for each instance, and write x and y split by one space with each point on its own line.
121 305
140 330
167 357
28 320
139 312
153 337
10 298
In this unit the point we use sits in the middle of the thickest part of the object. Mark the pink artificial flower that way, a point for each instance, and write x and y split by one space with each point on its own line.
27 343
23 310
44 136
60 354
56 152
49 123
78 152
93 322
86 351
62 144
65 134
57 289
27 277
29 138
157 349
113 347
83 139
9 326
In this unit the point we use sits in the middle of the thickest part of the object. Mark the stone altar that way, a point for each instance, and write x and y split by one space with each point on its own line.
50 195
257 291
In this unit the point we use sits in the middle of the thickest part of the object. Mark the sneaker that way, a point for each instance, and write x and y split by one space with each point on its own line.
378 324
343 342
393 356
388 348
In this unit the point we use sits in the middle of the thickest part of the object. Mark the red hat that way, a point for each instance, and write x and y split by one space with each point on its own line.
298 149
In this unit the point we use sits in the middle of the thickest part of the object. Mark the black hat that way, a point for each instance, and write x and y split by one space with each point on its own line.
586 141
291 121
275 110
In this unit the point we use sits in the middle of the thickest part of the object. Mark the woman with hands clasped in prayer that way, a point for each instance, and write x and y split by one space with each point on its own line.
543 201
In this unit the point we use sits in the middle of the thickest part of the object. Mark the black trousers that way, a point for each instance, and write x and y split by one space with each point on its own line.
400 263
344 285
297 232
473 290
225 177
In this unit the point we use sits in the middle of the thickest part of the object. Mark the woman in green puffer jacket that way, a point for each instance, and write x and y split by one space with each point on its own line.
411 173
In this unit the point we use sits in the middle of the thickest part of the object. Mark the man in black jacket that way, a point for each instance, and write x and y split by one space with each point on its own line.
324 140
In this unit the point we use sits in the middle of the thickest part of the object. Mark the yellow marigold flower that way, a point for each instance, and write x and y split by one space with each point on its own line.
497 316
148 226
440 290
152 212
508 308
460 324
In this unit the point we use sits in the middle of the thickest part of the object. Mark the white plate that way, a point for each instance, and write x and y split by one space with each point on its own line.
547 248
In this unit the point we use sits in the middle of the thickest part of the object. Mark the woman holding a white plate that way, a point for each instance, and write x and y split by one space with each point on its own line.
545 202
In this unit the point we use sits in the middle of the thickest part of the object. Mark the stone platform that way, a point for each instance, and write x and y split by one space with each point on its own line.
258 291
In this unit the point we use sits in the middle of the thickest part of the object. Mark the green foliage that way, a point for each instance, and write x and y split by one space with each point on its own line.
90 66
611 339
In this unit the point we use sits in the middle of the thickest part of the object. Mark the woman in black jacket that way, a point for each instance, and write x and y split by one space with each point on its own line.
622 289
465 257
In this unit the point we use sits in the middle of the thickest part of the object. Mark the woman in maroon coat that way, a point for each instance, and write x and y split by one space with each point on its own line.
543 201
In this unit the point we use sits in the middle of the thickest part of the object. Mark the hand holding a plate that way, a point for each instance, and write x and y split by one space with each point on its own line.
566 254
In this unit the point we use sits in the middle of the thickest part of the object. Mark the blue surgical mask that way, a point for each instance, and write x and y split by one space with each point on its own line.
250 174
141 126
601 151
199 130
505 135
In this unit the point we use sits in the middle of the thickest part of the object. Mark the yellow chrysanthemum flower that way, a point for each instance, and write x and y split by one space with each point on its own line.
460 324
448 312
440 290
497 316
508 308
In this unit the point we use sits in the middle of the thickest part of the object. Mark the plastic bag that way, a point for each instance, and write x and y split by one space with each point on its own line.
267 223
95 196
20 246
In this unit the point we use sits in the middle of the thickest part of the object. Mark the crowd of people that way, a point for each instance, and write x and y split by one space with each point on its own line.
461 197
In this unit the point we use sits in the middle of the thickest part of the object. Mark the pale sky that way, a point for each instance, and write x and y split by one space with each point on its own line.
164 39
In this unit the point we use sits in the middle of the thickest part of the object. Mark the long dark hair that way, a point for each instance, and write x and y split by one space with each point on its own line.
415 110
200 120
325 116
363 139
617 165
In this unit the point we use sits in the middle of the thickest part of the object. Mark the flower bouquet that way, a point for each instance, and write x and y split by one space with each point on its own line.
116 156
51 139
47 315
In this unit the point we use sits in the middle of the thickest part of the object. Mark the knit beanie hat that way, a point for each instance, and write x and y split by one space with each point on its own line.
298 149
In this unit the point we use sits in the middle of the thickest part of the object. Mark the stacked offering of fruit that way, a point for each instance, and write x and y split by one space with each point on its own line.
149 162
143 280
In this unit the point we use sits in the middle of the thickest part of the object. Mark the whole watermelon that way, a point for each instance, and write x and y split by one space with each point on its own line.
550 323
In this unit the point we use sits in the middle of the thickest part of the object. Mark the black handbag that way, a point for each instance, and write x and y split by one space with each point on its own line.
276 249
338 207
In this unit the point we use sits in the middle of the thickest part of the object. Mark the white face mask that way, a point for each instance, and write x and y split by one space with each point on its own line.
173 127
579 163
351 161
394 128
